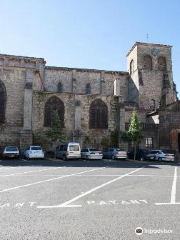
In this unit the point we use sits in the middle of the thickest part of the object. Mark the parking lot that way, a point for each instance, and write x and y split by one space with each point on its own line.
93 200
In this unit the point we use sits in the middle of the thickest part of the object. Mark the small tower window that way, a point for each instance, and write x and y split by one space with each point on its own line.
131 66
88 88
162 63
59 87
148 62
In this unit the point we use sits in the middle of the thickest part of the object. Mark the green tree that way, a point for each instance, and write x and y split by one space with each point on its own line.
133 134
54 133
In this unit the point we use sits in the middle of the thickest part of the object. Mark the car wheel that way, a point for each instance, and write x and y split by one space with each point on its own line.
112 157
159 159
64 158
141 158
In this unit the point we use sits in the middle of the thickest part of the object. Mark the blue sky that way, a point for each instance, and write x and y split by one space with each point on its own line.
94 34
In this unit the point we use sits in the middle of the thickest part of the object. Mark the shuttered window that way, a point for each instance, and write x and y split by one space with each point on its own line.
148 62
59 87
98 115
162 63
53 104
2 102
88 88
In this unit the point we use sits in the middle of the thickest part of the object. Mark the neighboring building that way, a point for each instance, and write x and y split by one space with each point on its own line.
90 103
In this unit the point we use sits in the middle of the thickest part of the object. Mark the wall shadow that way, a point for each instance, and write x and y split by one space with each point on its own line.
84 163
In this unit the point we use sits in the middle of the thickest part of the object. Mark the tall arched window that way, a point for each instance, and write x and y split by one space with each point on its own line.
98 115
53 104
131 66
88 88
148 62
59 87
162 63
2 102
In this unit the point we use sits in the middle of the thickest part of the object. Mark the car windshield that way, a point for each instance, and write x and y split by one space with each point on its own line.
11 149
169 151
36 148
145 151
93 149
73 147
154 152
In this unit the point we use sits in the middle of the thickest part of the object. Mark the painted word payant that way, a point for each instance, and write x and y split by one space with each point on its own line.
116 202
17 205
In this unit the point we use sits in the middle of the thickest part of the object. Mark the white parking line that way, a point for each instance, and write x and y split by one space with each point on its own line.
17 174
66 204
48 180
173 191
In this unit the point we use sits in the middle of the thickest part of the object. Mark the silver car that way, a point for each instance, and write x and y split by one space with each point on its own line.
91 153
165 155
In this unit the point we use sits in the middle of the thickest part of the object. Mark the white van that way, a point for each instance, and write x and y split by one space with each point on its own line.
70 150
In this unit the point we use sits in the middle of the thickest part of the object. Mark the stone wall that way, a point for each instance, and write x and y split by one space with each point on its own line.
14 81
76 117
149 83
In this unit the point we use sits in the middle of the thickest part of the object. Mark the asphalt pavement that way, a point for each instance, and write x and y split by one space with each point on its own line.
89 200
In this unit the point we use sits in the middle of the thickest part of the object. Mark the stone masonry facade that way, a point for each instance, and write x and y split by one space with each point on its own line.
27 84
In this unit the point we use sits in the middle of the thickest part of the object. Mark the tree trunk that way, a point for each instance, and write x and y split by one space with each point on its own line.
135 147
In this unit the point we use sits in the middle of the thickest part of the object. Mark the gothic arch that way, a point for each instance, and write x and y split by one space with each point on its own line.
53 104
162 63
3 97
147 62
98 115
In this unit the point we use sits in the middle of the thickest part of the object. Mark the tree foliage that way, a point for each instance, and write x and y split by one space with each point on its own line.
54 133
133 135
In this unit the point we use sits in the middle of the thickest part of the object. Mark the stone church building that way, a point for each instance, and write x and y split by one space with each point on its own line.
90 103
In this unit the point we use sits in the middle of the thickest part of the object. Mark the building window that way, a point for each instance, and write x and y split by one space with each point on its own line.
2 102
162 63
131 66
59 87
53 104
98 115
148 62
149 142
88 88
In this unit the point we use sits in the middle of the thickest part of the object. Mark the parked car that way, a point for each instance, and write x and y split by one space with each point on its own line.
141 154
10 152
70 150
114 153
151 154
34 152
91 153
165 155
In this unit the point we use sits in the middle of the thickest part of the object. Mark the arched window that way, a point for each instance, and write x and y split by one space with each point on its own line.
98 115
53 104
162 63
131 66
2 102
88 88
59 87
148 62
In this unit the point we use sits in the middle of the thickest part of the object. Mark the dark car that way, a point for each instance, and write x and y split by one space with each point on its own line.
141 154
10 152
